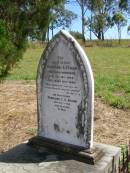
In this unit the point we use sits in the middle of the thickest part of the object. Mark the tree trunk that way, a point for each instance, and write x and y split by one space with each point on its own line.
43 36
48 34
99 35
82 9
102 35
119 34
52 29
91 27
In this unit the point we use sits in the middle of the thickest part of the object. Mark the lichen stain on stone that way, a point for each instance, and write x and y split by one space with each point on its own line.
56 127
80 120
68 131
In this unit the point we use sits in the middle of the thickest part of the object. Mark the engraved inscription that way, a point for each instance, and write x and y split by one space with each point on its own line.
61 76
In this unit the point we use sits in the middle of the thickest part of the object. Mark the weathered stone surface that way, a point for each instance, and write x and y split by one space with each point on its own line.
65 92
23 159
90 156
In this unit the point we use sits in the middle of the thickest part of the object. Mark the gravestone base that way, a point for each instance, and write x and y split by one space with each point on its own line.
90 156
26 159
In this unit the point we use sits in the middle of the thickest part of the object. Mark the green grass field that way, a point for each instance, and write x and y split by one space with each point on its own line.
27 67
111 67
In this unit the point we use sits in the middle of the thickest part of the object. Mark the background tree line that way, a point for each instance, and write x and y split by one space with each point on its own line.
33 19
103 15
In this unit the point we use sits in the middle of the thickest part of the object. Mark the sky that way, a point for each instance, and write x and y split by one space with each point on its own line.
76 25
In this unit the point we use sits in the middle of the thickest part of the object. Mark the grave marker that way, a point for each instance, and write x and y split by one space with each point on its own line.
65 93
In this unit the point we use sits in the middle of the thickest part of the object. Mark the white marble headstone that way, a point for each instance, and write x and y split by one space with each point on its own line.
65 90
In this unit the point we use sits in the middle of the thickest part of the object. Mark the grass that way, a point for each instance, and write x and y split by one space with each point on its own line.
26 69
111 67
125 151
106 43
32 132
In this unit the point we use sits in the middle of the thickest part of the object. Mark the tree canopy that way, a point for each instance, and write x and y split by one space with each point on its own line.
100 20
61 17
120 21
18 19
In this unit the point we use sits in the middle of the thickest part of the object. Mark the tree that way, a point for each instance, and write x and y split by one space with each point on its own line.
100 20
99 24
61 17
83 7
100 10
124 5
76 34
18 19
120 22
128 30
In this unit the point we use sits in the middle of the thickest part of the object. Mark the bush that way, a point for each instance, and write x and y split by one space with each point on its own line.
18 20
9 52
77 34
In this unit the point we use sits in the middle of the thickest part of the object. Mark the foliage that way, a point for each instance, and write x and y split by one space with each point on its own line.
99 24
100 20
102 5
120 21
18 19
128 30
61 17
77 34
125 154
100 13
9 52
27 67
124 5
83 7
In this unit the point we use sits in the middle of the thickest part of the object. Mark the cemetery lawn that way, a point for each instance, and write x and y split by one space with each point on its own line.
111 67
18 117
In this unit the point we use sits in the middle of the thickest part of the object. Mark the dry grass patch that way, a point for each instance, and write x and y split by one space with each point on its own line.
18 117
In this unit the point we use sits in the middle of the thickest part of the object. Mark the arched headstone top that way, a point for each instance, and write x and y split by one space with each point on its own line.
65 92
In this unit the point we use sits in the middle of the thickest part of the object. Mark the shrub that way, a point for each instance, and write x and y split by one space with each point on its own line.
9 52
77 34
18 20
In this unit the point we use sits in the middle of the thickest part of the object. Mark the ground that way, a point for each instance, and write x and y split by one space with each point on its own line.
18 117
111 68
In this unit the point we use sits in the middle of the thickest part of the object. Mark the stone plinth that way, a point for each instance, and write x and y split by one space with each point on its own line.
24 159
90 156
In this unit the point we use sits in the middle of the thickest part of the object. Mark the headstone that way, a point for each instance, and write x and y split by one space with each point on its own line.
65 93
